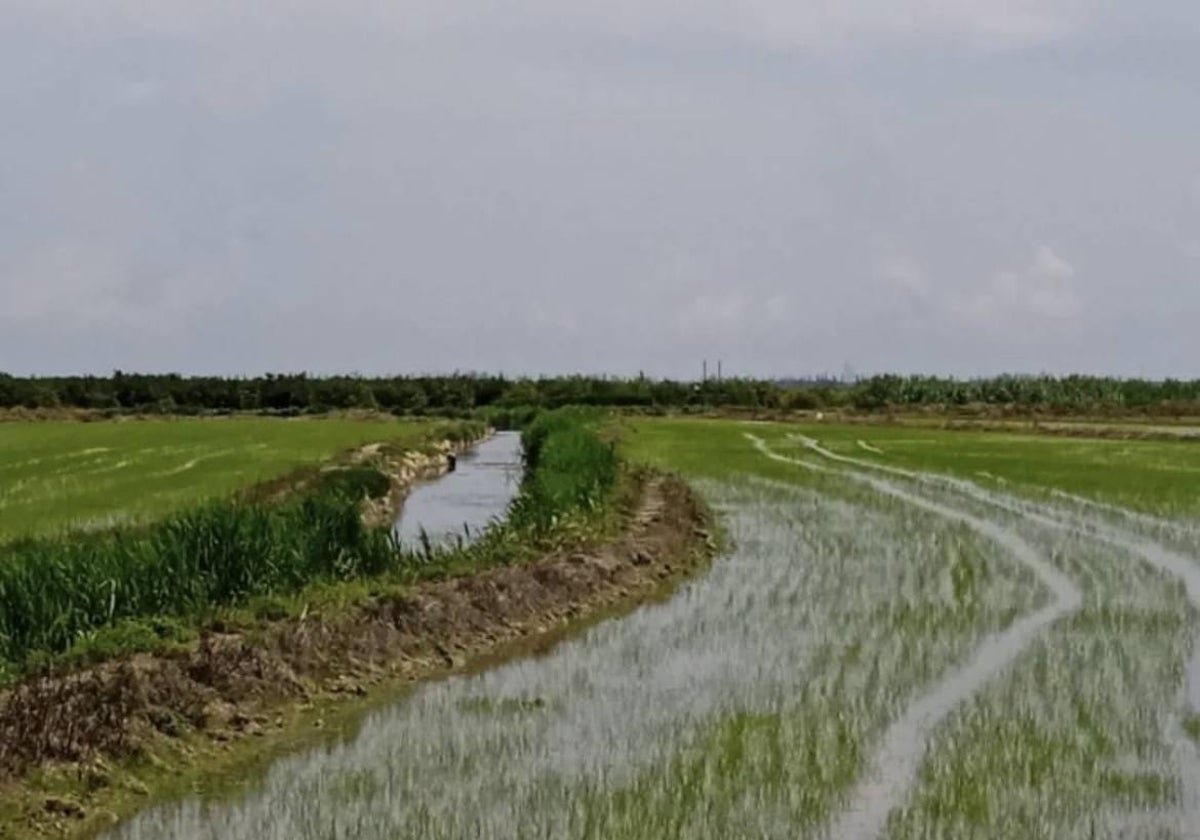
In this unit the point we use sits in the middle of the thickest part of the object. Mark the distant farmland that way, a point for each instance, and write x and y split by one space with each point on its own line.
64 474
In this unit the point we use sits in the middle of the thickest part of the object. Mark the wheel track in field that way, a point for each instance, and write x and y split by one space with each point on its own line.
894 766
1153 553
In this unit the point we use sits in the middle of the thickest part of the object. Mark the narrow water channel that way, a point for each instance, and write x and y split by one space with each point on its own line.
461 504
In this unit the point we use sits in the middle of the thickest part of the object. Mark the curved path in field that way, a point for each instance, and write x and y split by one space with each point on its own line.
1166 560
1155 554
896 762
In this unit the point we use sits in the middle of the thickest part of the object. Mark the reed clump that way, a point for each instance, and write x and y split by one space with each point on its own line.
58 591
568 467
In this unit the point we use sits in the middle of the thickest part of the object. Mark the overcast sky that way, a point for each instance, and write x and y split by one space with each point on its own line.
536 186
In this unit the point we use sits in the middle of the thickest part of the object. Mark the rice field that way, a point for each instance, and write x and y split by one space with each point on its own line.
895 646
1152 476
60 475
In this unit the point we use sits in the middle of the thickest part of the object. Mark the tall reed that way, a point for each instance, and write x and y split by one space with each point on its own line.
53 590
568 467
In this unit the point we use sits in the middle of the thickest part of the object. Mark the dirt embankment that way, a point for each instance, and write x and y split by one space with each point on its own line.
230 686
404 469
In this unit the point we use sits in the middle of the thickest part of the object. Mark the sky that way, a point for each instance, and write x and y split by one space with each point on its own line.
962 187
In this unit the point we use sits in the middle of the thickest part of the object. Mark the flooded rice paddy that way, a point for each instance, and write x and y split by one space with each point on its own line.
882 653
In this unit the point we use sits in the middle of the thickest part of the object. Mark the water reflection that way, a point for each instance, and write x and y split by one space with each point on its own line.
460 504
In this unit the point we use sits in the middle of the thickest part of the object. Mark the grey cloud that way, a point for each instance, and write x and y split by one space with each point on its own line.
1041 294
628 186
772 22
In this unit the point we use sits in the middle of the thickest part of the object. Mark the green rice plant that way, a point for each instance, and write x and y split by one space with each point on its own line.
743 708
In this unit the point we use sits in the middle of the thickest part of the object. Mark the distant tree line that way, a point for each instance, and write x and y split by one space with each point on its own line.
301 392
461 394
1076 393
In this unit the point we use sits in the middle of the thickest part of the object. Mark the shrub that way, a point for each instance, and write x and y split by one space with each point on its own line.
567 466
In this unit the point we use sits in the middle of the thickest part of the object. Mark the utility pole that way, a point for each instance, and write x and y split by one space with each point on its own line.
718 370
704 371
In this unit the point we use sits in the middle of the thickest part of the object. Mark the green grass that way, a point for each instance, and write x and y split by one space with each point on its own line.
58 592
56 475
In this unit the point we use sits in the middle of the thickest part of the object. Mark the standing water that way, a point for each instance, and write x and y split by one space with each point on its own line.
633 730
464 502
790 692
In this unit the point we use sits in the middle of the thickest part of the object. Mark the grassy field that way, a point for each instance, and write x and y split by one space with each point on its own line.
55 475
